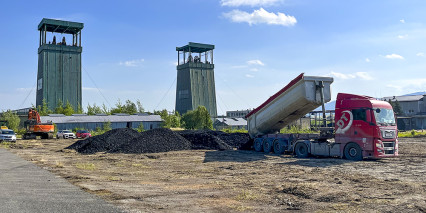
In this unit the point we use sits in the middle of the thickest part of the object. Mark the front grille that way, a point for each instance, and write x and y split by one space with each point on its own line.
389 147
388 134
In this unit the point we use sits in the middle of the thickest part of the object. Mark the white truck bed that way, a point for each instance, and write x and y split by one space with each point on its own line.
292 102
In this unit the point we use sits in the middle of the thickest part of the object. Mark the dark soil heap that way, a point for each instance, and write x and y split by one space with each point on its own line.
160 140
218 140
153 141
105 142
204 140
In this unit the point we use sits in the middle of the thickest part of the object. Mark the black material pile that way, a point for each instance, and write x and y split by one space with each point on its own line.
105 142
160 140
204 140
218 140
153 141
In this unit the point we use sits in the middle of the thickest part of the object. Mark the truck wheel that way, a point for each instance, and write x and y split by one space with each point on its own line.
258 145
279 147
268 145
353 152
301 150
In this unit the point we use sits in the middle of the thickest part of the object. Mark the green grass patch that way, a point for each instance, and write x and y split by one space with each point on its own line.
297 130
411 134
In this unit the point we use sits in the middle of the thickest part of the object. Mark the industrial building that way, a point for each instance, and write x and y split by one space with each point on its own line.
59 64
230 123
413 111
91 122
195 78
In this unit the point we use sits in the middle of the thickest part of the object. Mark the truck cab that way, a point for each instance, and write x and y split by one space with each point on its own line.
365 127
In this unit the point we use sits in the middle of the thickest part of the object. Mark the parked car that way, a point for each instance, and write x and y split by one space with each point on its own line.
83 134
7 135
65 134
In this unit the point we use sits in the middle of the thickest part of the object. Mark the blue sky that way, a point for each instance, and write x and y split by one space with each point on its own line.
375 48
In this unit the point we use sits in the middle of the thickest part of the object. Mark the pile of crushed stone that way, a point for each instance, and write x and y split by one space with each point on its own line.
127 140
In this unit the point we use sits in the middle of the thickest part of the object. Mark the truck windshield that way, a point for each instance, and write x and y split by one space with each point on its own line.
384 117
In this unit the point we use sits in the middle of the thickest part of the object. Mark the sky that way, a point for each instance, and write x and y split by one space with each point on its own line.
374 48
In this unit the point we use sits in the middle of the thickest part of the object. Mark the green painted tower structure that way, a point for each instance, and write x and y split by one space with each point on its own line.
59 63
195 78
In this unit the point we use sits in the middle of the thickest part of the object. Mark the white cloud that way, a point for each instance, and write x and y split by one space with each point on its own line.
408 85
254 69
402 36
255 62
253 3
249 76
132 63
361 75
402 21
420 54
261 16
367 60
394 56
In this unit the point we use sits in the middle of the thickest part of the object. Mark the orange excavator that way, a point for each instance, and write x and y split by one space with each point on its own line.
36 128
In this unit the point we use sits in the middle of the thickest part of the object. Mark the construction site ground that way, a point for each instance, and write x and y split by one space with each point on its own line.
239 181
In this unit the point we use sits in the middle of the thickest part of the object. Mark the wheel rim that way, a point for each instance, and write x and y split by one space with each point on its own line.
353 152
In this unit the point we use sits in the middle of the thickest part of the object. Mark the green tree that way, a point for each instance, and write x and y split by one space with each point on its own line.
69 109
59 107
105 109
44 110
396 107
118 107
140 107
130 108
175 120
141 128
79 109
93 110
107 126
198 119
12 119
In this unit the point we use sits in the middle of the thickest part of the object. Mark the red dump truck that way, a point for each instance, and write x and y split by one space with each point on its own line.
364 127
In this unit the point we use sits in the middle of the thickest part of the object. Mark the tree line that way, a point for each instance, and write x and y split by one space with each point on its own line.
196 119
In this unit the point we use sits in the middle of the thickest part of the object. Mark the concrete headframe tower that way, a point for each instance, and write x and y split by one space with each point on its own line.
59 64
195 78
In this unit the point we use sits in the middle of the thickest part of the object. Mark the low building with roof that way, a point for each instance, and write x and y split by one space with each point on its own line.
230 123
413 111
91 122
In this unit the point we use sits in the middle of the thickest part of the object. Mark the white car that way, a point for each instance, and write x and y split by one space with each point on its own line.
65 134
7 135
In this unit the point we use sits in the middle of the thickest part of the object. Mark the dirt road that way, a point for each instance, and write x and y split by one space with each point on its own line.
235 181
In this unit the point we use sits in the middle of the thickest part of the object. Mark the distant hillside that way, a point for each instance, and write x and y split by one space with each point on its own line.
416 93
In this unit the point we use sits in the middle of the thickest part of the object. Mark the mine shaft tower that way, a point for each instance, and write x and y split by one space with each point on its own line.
59 64
195 78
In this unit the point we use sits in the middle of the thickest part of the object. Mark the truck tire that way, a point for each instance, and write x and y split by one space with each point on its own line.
353 152
301 150
258 146
268 145
279 147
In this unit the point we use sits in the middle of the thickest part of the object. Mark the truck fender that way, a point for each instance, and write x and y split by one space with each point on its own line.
307 142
